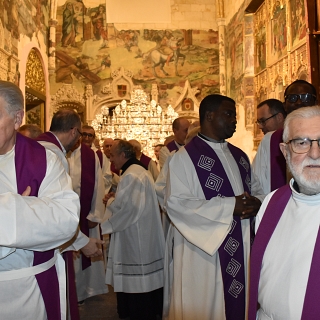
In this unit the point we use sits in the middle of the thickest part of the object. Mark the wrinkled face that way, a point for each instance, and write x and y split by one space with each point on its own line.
181 133
118 159
298 89
271 124
305 167
88 136
157 151
8 126
107 144
223 121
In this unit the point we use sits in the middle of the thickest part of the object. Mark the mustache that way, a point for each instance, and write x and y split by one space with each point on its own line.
310 162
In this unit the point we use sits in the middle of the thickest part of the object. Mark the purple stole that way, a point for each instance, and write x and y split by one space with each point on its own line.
88 174
145 160
215 183
278 162
172 146
67 255
99 154
31 165
271 217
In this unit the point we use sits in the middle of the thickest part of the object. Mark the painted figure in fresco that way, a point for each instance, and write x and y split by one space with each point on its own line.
168 51
69 26
99 29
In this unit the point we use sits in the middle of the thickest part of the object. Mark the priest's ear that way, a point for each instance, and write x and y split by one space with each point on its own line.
283 147
18 119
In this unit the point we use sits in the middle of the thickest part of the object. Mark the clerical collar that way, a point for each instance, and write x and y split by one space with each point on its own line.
295 186
179 144
209 139
131 162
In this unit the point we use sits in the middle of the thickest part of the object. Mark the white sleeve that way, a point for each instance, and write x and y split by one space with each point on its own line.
44 222
127 206
106 172
261 163
164 153
97 207
204 223
152 167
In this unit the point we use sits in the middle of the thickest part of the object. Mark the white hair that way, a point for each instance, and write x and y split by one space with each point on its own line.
301 113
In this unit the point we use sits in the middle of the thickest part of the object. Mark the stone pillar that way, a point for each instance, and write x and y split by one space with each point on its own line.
52 45
222 55
154 92
88 96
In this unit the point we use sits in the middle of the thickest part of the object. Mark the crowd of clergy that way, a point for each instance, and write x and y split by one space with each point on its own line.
197 232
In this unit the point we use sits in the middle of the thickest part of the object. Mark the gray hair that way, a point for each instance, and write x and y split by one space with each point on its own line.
301 113
13 97
127 148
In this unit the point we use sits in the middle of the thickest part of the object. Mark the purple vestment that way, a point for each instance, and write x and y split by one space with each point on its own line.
271 217
214 182
31 165
172 146
145 160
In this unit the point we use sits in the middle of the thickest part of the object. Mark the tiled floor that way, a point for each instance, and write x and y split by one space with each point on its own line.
102 307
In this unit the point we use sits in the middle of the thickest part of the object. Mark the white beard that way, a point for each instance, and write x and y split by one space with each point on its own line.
308 184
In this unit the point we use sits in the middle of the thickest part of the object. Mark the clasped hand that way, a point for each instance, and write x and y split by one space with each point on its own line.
246 206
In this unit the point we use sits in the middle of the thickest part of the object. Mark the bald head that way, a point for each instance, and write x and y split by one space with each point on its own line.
107 144
180 129
136 146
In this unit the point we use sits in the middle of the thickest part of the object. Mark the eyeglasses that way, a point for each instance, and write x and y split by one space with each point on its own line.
304 97
89 135
262 122
302 145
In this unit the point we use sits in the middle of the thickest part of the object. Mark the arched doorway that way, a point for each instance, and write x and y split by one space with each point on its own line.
35 86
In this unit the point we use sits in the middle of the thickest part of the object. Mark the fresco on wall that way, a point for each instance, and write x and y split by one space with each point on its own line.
260 48
88 51
278 34
234 52
26 17
298 22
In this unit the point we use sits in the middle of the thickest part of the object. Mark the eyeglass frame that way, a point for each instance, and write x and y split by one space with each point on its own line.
303 139
263 122
77 130
304 95
89 135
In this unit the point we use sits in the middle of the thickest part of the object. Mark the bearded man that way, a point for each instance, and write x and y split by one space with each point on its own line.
285 259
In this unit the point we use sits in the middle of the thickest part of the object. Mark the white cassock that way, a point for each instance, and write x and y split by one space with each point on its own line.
164 153
200 228
79 240
160 187
106 172
137 241
33 223
287 259
261 163
89 282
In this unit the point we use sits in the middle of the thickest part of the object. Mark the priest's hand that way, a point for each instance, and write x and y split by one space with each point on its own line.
27 192
246 206
107 197
93 248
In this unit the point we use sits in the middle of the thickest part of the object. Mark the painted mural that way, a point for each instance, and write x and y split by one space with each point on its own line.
235 59
27 17
298 21
88 50
278 34
260 48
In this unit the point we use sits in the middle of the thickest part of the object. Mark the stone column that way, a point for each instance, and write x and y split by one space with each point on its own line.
88 96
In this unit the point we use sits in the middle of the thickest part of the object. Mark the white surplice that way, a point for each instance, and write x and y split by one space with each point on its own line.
106 171
33 223
200 227
261 164
135 261
89 282
287 259
164 153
